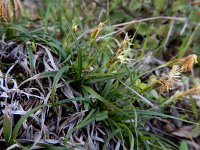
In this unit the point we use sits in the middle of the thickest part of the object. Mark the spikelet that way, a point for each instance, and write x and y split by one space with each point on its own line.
74 26
94 34
187 62
181 95
166 82
123 44
194 90
121 54
5 10
123 58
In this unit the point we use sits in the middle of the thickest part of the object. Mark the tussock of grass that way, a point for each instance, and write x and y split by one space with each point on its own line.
70 88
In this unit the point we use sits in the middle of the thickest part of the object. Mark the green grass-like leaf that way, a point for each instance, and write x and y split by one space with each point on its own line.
55 82
7 129
30 54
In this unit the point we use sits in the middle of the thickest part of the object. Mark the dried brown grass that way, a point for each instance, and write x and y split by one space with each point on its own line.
9 9
5 6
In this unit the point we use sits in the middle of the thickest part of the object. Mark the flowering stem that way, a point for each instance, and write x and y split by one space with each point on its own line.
151 87
140 96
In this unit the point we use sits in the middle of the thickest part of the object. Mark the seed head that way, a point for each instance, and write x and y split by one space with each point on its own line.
194 90
187 62
74 26
5 6
94 34
122 55
166 82
123 44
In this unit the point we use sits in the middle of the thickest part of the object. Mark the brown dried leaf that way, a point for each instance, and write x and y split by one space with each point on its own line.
187 132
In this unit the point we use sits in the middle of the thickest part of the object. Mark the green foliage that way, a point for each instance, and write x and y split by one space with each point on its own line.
183 146
160 5
7 128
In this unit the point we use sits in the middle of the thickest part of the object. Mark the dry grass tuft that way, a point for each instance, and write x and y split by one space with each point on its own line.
9 9
5 7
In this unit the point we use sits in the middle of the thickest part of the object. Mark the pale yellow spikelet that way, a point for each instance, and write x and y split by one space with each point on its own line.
122 55
123 58
174 72
123 44
74 26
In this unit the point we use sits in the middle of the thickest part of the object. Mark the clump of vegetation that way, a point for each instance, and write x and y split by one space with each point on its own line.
69 81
